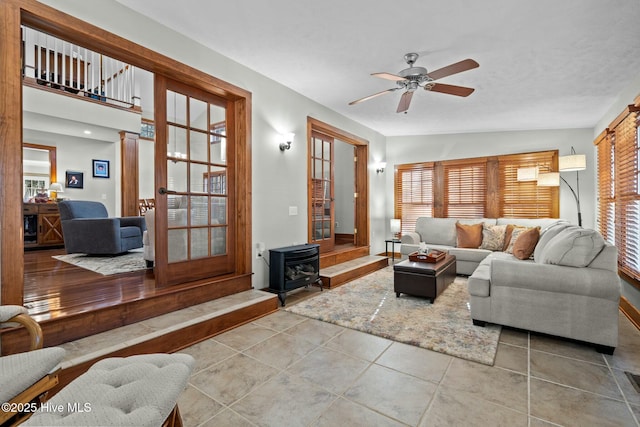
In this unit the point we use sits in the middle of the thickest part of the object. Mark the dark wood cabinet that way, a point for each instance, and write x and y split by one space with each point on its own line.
42 225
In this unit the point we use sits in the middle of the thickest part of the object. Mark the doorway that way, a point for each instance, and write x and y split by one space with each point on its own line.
42 17
324 141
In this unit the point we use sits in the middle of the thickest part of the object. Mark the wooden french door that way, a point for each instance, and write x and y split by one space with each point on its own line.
322 191
195 176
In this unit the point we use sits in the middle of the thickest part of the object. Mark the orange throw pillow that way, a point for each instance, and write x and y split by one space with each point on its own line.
526 243
469 235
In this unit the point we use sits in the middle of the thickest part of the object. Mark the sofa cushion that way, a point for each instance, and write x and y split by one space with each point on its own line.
493 237
525 244
479 282
529 222
546 234
573 247
469 235
472 255
439 231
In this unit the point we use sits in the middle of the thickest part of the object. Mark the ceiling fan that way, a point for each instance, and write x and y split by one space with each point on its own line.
413 78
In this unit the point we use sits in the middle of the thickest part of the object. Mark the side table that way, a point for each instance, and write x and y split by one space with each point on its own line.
393 248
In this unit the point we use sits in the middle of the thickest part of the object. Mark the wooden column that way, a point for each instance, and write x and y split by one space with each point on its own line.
11 227
130 173
492 210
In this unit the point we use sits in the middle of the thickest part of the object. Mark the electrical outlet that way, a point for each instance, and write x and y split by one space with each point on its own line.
259 250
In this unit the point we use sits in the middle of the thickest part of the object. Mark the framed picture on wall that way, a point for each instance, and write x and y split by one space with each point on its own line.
101 168
74 179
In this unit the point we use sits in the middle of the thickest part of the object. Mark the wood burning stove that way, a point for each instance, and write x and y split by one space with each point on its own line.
292 267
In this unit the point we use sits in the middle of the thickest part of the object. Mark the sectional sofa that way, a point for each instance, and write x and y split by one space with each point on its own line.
567 287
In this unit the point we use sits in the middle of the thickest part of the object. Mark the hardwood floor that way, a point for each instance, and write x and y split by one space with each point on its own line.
54 288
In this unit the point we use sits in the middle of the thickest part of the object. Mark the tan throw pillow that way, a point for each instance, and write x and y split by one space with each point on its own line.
493 237
507 236
513 236
469 235
526 242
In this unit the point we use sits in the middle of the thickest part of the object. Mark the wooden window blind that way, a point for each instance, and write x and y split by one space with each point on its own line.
413 193
474 188
524 199
606 188
627 199
466 188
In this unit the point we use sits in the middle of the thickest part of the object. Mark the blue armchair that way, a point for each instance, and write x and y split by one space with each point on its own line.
87 229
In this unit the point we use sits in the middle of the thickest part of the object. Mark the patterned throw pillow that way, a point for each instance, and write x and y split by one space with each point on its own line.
493 237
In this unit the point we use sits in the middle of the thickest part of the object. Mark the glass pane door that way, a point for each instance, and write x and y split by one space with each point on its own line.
198 183
322 193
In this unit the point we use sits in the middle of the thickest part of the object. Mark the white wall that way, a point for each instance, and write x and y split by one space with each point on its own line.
279 179
405 149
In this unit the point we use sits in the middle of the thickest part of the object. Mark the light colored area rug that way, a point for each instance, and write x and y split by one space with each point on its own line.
369 304
107 265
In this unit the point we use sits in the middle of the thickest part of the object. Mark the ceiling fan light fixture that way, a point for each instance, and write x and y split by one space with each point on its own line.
412 78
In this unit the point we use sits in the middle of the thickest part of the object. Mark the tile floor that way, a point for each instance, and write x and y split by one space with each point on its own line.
288 370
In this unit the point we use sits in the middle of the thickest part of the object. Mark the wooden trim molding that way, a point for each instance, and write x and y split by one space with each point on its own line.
361 146
11 220
629 310
129 173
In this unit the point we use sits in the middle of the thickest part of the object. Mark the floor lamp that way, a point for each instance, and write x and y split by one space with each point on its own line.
572 163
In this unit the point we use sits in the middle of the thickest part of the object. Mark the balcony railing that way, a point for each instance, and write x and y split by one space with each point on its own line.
58 64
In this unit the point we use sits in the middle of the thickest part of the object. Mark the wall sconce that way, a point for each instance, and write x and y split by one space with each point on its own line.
287 139
380 167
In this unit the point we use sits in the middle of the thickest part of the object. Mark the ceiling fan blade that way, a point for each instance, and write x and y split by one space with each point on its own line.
405 100
458 67
389 76
450 89
366 98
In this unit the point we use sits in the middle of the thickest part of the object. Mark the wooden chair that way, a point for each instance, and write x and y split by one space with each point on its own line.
26 378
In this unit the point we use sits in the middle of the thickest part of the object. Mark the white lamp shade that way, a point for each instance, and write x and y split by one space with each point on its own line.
57 187
574 162
550 179
527 174
395 225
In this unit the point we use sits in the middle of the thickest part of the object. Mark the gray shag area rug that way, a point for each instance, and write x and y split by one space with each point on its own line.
107 265
369 304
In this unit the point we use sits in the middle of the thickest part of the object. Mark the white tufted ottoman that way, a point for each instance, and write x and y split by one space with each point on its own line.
138 390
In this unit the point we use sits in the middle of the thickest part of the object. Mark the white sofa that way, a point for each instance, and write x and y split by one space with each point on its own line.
570 288
440 233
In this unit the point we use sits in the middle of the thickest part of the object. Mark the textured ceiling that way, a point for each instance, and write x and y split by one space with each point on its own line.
544 64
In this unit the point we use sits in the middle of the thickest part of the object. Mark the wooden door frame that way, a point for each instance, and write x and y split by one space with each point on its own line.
361 147
13 13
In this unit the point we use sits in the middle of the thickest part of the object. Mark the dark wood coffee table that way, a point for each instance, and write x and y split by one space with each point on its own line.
424 279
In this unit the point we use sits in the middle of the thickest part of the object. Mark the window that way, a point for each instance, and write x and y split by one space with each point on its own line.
524 199
619 198
466 184
413 193
474 188
147 129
